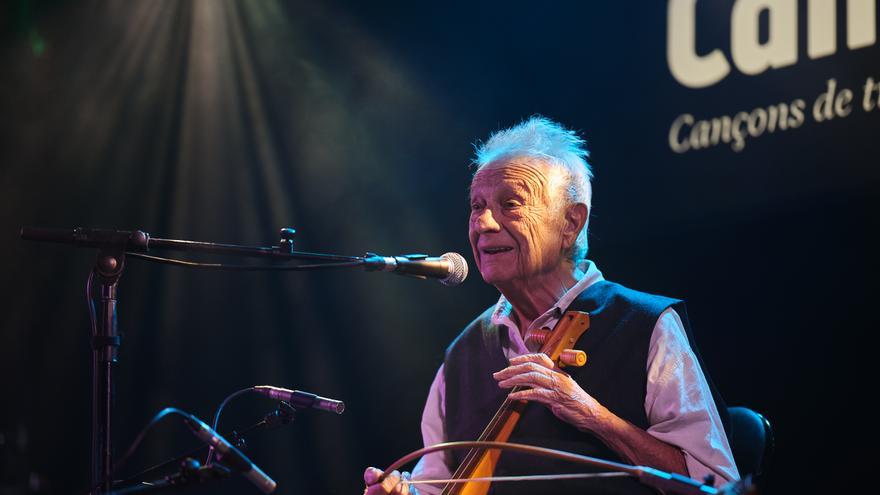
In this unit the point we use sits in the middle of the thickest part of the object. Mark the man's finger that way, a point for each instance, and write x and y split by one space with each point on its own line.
531 379
537 358
518 369
371 475
534 395
403 486
391 481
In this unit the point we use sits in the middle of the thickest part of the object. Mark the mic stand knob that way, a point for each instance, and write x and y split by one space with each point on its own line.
286 244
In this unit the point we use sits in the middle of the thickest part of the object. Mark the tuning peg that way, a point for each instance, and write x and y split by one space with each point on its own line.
572 357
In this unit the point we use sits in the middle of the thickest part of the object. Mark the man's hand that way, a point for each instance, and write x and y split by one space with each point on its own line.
553 388
390 485
571 404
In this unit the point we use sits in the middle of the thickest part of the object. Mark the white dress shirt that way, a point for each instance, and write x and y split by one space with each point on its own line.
678 402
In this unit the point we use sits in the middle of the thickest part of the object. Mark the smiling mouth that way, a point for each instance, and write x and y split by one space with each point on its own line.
496 250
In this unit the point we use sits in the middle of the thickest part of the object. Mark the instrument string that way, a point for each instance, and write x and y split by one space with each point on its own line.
533 477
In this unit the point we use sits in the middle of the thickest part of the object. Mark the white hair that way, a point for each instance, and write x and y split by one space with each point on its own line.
541 138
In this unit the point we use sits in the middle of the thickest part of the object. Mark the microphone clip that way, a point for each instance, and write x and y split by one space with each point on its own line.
191 471
283 415
375 262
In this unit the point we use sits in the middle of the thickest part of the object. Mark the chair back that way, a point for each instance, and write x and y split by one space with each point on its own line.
751 440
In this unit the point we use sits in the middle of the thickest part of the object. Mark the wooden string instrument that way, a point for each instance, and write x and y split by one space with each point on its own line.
479 463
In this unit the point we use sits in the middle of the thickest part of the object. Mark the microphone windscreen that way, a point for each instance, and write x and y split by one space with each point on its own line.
458 269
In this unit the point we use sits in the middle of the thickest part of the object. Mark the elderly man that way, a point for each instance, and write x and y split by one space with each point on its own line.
641 399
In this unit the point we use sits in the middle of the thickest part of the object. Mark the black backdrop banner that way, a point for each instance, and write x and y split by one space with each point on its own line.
734 143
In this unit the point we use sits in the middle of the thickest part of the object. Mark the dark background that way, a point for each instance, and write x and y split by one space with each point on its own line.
353 122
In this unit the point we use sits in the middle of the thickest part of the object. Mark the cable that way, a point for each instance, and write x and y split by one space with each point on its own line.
90 301
137 441
222 266
217 417
161 415
176 459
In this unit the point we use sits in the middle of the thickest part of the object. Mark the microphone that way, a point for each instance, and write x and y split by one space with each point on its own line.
231 456
450 268
301 400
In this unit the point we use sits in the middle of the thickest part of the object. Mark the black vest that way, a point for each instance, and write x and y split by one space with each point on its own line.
621 324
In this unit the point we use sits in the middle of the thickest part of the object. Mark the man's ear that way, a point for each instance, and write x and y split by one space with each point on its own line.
575 218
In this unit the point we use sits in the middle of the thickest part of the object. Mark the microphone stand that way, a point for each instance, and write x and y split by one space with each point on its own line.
191 472
113 246
283 414
105 349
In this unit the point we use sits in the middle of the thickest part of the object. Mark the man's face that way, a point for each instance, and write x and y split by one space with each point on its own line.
516 223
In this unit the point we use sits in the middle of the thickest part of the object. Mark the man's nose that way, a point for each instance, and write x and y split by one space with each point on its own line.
485 222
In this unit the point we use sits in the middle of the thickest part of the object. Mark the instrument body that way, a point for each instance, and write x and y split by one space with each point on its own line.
481 463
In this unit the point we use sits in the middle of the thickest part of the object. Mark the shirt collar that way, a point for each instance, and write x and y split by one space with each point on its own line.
589 274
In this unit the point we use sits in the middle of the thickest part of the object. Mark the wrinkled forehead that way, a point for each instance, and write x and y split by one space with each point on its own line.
526 174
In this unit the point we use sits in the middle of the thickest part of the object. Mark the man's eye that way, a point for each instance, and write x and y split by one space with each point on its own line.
512 203
475 206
